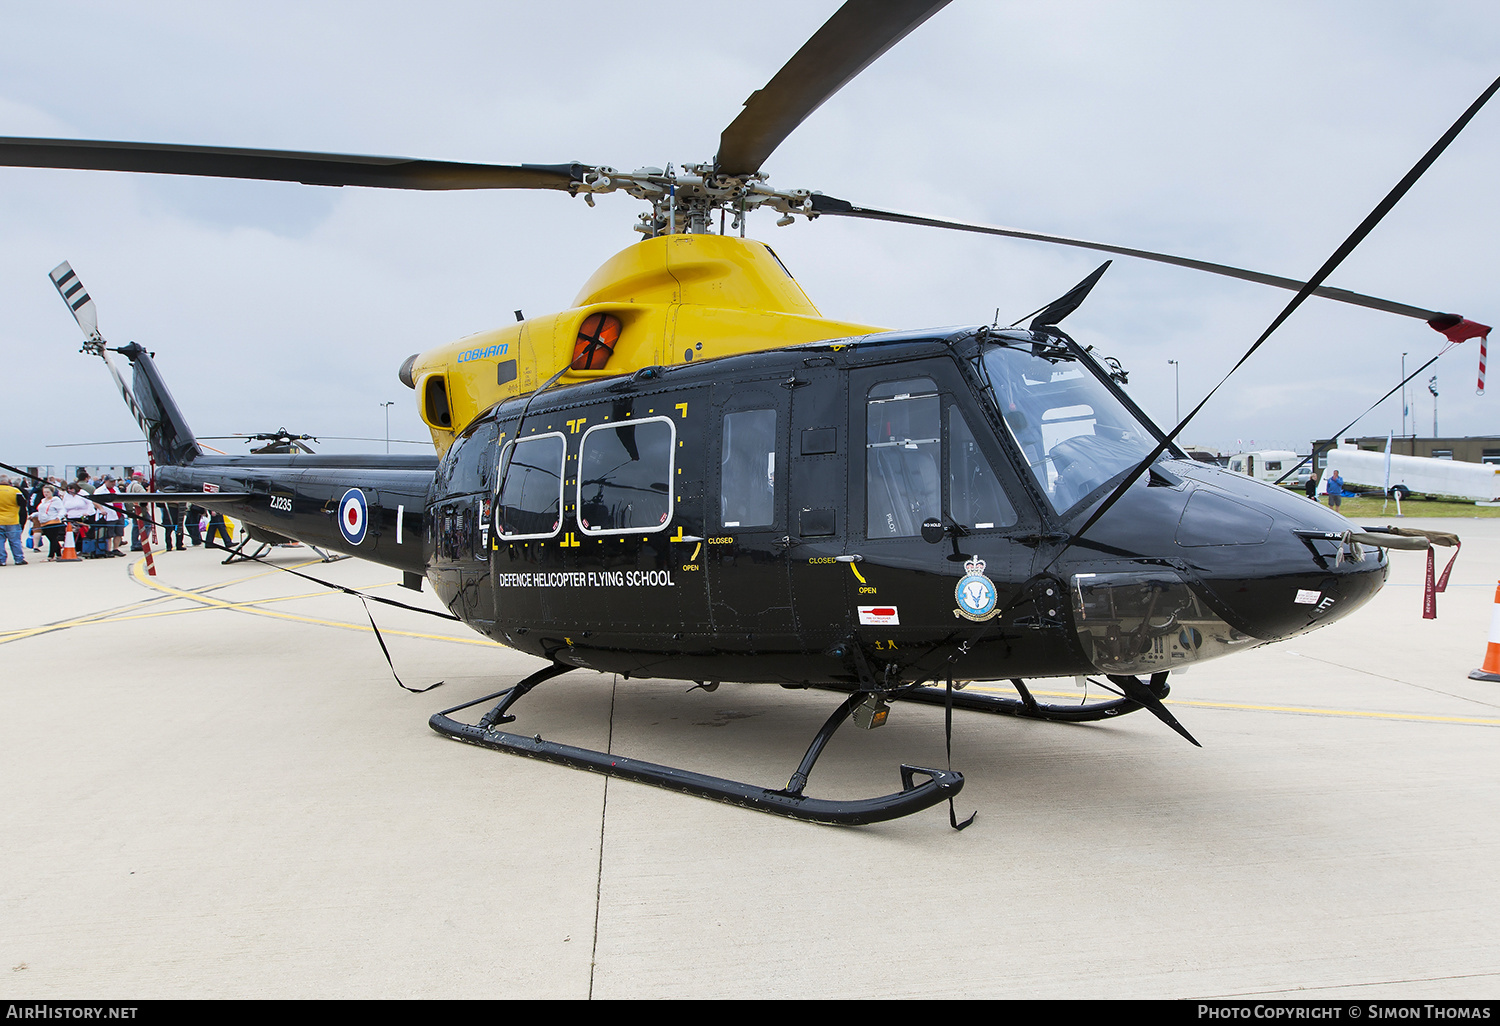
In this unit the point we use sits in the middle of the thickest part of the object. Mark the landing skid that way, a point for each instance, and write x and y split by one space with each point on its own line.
788 801
239 555
1134 694
1026 705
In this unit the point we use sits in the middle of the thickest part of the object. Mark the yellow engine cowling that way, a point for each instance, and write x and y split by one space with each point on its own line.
678 298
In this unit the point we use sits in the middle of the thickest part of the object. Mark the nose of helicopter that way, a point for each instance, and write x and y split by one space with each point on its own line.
1267 555
1231 563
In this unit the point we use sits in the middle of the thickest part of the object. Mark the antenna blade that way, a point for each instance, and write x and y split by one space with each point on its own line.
842 208
850 41
285 165
73 293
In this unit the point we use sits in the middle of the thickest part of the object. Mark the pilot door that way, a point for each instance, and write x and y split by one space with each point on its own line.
924 452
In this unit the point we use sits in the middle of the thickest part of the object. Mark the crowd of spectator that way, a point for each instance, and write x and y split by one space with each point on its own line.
36 515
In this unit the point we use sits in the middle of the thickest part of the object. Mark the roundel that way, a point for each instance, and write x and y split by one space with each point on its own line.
353 516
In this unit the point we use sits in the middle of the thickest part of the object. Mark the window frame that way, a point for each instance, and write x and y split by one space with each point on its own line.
951 402
777 416
671 478
562 488
954 407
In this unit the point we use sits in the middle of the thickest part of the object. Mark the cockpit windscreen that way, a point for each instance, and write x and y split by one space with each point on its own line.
1074 432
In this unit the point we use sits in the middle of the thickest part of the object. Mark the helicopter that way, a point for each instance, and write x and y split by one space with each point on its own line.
692 475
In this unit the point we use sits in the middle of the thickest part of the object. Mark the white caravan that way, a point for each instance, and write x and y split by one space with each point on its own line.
1265 465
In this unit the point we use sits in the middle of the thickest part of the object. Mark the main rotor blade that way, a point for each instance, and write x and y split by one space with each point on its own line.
284 165
857 34
843 208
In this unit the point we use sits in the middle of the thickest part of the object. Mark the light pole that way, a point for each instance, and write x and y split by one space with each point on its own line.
1176 391
1403 395
1432 387
388 425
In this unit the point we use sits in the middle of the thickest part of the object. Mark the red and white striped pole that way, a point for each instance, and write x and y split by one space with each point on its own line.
149 536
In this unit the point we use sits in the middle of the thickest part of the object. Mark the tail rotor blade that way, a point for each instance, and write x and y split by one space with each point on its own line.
70 287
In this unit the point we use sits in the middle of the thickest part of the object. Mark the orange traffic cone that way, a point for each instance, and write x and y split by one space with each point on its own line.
70 554
1490 671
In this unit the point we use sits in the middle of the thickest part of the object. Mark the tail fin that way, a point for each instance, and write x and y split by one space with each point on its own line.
150 403
171 439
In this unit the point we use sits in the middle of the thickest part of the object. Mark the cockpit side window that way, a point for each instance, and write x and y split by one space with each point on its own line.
923 461
975 497
903 453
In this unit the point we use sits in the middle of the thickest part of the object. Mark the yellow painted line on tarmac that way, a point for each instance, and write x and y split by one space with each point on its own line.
122 612
100 617
1473 721
138 571
111 618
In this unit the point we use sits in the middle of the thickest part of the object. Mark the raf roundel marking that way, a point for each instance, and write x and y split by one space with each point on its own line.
353 516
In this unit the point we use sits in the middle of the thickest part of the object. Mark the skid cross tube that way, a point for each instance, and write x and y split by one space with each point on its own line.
1026 706
938 786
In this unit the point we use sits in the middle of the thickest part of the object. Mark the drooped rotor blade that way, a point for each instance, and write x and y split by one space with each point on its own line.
843 208
283 165
857 34
1053 313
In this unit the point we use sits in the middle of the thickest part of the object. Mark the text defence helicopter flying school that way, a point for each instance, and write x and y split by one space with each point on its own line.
691 474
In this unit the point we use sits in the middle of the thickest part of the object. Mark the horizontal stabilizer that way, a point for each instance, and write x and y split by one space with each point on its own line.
201 498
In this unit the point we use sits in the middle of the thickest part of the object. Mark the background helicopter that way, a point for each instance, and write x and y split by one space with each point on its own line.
1044 356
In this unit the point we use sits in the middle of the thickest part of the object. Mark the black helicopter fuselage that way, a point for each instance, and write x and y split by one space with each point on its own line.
761 518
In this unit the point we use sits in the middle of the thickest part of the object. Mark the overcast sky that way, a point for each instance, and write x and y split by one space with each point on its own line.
1255 133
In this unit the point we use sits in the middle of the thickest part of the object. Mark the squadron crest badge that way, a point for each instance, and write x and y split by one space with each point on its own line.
975 593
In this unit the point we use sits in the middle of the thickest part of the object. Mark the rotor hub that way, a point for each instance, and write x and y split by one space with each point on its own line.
684 201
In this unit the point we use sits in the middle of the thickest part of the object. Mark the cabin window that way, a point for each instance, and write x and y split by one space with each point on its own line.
469 462
1273 465
747 469
975 498
625 477
531 495
903 470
